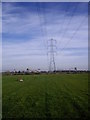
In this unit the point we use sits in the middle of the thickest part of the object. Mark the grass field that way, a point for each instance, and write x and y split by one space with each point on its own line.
45 96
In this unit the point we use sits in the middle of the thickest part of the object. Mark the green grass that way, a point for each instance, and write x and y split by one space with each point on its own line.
45 96
0 96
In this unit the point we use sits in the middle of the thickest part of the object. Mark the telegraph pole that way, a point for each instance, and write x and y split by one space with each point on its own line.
51 52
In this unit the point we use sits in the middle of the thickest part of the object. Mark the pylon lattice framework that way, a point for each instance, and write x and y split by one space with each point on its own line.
51 52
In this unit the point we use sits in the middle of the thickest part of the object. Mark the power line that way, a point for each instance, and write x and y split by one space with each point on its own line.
73 34
71 17
39 16
45 20
63 20
44 25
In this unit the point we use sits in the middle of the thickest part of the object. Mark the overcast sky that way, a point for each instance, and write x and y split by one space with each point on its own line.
28 26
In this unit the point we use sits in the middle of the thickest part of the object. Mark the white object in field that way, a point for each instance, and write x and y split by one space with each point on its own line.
21 80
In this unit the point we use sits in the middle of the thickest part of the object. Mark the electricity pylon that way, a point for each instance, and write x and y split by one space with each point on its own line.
51 53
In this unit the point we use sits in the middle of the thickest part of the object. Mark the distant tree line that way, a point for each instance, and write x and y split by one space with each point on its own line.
43 72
